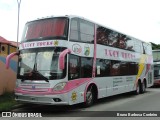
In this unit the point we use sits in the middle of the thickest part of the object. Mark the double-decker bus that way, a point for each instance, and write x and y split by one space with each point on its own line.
67 60
156 62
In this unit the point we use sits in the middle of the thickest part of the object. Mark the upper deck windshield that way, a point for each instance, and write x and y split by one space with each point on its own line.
156 56
51 28
40 64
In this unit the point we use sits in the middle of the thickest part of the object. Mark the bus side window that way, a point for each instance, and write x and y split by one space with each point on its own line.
130 44
74 67
115 68
133 68
113 38
102 35
102 68
138 46
86 67
122 41
74 32
86 31
124 70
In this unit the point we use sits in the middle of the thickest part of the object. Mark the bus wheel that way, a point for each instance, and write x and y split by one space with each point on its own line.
89 97
138 88
143 87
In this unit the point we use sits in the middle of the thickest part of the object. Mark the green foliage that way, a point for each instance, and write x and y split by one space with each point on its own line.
155 46
7 102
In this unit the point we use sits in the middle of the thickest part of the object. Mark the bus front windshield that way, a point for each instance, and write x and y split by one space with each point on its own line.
40 64
51 28
156 56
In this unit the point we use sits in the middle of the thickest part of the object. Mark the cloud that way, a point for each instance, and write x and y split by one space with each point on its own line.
138 18
7 5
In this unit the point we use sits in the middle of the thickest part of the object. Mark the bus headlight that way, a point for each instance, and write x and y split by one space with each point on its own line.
59 86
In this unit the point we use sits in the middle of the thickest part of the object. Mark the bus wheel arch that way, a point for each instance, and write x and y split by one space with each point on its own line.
90 94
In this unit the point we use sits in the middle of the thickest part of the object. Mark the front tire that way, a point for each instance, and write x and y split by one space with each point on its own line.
89 97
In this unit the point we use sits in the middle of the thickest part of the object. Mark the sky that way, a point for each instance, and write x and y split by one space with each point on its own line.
137 18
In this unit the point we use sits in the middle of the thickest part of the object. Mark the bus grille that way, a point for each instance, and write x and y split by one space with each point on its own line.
35 87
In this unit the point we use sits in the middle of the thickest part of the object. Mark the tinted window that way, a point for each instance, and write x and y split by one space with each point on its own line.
46 28
86 31
133 68
138 46
124 70
74 67
130 44
81 30
86 67
107 37
156 56
157 71
124 42
74 30
79 67
102 35
115 68
147 48
102 68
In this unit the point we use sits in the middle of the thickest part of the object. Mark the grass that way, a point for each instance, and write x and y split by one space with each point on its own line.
7 102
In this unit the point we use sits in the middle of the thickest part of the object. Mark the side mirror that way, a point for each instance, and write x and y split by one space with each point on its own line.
8 58
62 58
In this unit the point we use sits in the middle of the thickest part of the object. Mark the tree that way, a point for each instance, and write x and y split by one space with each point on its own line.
155 46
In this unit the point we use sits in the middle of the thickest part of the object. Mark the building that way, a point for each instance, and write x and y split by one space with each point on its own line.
7 76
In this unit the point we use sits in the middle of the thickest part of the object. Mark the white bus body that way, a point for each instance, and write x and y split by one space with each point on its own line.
77 61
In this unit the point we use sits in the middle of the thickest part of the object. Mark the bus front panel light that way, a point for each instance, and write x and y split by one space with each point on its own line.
59 86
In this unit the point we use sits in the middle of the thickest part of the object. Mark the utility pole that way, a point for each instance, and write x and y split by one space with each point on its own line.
19 3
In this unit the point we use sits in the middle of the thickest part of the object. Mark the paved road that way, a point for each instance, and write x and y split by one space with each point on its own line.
124 103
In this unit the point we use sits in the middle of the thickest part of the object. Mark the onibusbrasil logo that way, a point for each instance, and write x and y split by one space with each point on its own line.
21 115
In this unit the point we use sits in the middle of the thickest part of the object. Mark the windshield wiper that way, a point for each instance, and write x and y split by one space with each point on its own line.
45 78
34 73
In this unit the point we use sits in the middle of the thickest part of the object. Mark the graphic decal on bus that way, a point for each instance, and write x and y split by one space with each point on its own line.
47 43
149 60
76 48
86 50
74 96
141 65
119 54
56 43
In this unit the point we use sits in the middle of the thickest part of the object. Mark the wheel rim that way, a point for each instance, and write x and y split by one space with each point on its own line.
138 89
89 97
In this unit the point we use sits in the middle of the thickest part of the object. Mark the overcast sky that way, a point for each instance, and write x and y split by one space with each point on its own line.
138 18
